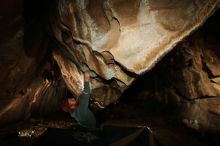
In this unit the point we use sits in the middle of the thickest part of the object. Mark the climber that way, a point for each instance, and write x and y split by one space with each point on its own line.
79 107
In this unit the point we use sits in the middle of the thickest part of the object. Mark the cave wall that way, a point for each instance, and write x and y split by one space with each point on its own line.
199 82
118 40
186 82
53 42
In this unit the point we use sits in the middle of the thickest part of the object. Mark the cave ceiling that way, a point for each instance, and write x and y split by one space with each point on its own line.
46 45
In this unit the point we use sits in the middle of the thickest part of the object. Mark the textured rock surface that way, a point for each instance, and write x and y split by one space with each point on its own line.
187 81
183 93
200 79
44 52
113 38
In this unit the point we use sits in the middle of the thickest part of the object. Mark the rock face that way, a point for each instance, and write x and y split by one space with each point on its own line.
117 40
53 42
187 80
200 82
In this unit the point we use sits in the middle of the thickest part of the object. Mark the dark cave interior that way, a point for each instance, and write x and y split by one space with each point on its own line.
154 100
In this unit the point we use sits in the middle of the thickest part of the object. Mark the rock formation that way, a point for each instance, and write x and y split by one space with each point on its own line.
46 47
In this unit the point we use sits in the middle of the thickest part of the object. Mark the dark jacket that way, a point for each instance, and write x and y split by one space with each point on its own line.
83 114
